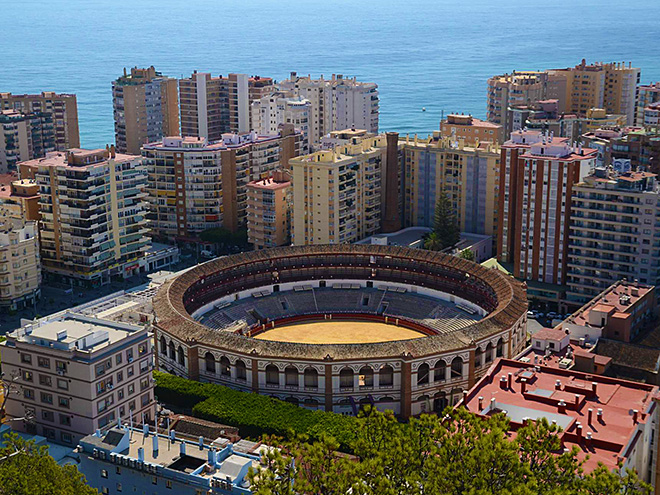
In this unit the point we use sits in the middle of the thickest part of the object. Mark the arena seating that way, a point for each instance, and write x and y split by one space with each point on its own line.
439 315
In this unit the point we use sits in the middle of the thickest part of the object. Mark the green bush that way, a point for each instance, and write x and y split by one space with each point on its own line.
254 415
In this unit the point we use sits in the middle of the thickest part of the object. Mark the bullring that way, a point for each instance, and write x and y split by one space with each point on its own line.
446 320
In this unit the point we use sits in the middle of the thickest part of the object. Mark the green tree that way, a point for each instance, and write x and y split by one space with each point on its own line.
467 254
454 453
432 242
27 469
445 224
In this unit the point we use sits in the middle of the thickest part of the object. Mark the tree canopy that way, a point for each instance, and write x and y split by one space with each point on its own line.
457 453
467 254
27 469
446 231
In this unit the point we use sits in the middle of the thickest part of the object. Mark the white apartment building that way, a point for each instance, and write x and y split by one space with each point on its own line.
74 374
269 112
20 264
336 103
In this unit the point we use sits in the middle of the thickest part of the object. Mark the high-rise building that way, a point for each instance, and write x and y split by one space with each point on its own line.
613 232
195 185
338 194
269 210
336 103
146 108
471 130
647 94
77 374
212 106
60 109
24 137
468 175
537 176
93 214
20 264
610 86
271 111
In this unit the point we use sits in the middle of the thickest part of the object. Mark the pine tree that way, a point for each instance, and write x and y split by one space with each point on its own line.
445 222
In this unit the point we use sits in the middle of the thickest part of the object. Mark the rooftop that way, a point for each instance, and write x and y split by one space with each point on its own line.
583 405
80 158
618 300
70 331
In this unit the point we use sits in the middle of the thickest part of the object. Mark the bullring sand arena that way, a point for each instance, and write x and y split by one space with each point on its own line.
339 332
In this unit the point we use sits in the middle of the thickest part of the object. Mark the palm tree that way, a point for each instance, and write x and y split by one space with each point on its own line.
433 242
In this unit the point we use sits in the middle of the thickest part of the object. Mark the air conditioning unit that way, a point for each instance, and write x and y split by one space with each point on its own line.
95 453
130 359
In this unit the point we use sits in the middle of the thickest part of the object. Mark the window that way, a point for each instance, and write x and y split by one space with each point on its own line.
311 378
144 365
45 380
66 437
28 394
49 433
46 398
130 371
272 375
43 362
120 394
63 402
65 419
154 480
104 421
62 384
120 376
118 359
423 374
117 470
386 376
145 399
457 368
210 362
118 487
225 366
142 349
291 376
366 377
48 416
129 355
241 371
26 358
168 484
440 371
60 366
27 376
104 473
131 389
131 405
346 378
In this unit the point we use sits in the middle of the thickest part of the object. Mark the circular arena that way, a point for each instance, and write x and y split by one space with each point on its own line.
336 327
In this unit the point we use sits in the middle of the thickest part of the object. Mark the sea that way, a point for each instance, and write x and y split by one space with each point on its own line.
424 54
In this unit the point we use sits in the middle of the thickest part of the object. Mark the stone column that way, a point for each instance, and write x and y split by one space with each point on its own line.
328 387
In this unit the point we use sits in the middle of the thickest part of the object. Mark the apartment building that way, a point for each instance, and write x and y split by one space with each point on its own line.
647 94
471 130
195 185
336 103
269 203
19 198
76 374
341 195
273 110
146 108
635 147
613 232
60 109
93 214
20 263
610 86
469 176
24 137
212 106
537 176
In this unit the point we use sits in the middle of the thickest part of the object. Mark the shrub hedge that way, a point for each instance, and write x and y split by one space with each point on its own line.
254 415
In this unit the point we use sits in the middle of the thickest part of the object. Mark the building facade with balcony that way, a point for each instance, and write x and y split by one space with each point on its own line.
336 103
270 111
614 232
75 374
24 137
269 211
195 185
93 214
20 263
337 193
146 108
59 109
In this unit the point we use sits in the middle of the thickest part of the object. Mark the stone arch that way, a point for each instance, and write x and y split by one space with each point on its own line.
209 359
366 376
311 377
291 376
181 356
272 375
346 377
241 370
457 367
423 374
386 376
